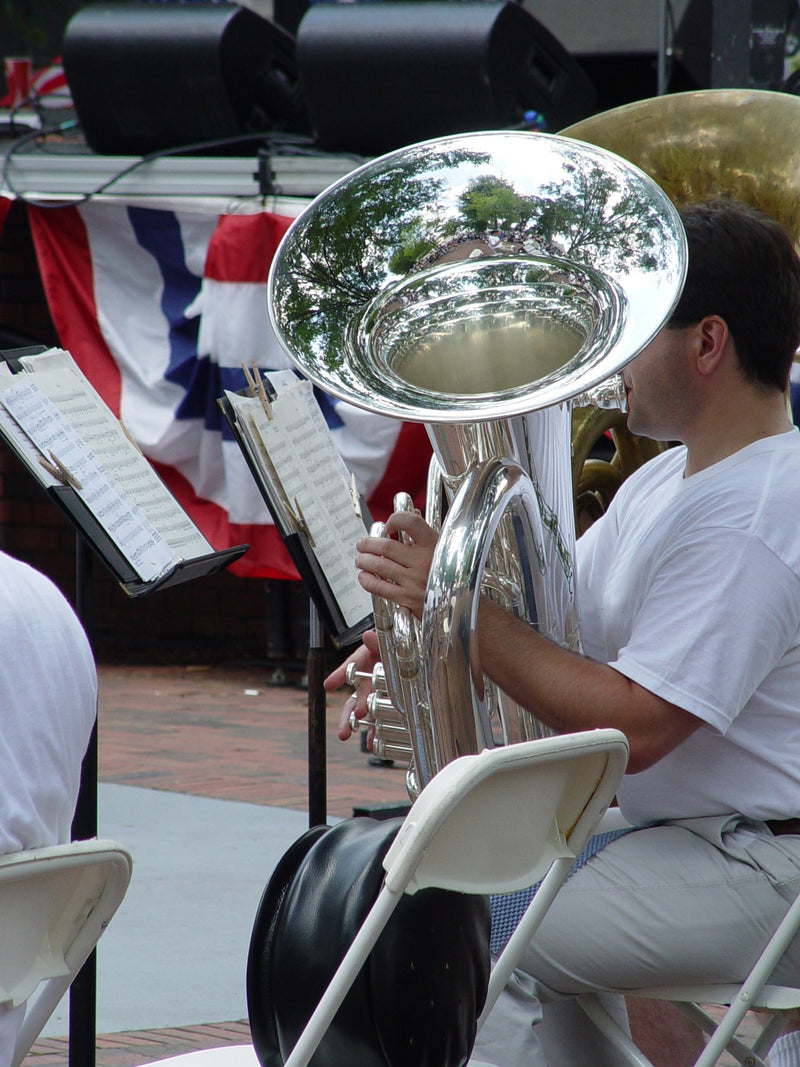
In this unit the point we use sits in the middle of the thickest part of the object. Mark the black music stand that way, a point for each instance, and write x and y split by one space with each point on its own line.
93 539
83 991
325 611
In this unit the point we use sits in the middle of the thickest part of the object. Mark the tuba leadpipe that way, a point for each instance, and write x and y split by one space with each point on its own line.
480 284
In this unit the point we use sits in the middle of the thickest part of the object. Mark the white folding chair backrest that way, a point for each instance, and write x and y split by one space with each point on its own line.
490 823
55 902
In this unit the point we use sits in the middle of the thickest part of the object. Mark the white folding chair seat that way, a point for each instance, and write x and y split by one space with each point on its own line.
753 994
55 903
225 1056
495 822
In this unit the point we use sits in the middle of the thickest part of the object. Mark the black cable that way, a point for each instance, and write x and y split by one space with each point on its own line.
280 143
32 135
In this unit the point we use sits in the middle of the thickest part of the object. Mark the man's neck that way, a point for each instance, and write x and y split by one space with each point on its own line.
734 427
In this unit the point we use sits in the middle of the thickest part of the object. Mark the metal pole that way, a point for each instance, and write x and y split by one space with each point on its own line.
83 991
317 783
661 86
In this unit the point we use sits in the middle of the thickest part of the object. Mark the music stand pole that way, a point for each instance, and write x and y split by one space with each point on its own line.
83 991
662 76
317 784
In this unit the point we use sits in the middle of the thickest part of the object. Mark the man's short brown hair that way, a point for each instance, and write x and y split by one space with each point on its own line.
743 266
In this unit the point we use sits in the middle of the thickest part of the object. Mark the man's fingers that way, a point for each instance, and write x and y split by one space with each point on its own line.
364 658
411 523
345 729
381 566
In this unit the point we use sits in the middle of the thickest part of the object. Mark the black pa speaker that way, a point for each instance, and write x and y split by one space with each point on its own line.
148 76
376 77
726 46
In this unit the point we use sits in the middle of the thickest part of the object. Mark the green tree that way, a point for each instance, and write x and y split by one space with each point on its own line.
596 219
357 241
492 203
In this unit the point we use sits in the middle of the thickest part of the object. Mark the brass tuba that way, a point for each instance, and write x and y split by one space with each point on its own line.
480 284
738 144
741 144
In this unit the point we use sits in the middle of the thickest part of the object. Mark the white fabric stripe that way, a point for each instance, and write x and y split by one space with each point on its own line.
234 328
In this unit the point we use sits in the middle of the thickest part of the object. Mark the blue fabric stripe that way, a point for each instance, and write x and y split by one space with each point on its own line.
328 406
158 233
202 379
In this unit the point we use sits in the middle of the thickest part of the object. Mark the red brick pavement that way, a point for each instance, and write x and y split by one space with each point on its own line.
135 1047
220 732
226 733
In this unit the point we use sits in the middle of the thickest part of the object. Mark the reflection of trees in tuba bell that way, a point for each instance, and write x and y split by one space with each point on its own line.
480 284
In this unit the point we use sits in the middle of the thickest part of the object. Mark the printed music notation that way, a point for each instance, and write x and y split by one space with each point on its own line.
304 481
67 436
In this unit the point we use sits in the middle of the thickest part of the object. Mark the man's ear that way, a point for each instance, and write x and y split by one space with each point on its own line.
713 341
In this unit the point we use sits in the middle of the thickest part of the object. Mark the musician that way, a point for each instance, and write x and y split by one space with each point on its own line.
48 703
689 599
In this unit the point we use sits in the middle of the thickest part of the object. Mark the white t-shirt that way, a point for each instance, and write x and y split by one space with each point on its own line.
691 587
48 703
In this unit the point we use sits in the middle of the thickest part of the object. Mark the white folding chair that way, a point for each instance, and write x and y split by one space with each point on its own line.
490 823
753 994
225 1056
55 902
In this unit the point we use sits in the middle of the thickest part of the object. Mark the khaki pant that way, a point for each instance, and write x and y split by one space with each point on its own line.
686 902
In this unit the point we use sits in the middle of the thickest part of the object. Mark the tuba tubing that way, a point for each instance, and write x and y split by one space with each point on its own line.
398 643
449 627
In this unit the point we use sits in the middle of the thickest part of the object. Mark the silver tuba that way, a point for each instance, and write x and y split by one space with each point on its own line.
481 284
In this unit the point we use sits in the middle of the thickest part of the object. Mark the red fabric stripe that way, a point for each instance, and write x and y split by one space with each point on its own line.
242 247
265 541
62 248
5 207
406 471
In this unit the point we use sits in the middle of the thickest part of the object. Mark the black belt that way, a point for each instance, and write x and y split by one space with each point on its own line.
784 826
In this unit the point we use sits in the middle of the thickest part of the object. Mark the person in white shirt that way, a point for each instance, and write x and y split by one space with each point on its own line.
48 706
689 603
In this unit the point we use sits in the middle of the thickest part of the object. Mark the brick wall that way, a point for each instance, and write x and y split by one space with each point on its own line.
213 619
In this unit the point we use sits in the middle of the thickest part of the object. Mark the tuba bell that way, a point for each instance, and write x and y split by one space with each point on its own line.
481 284
741 144
738 144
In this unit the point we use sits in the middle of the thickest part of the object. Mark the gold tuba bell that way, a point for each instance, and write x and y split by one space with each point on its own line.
741 144
481 284
738 144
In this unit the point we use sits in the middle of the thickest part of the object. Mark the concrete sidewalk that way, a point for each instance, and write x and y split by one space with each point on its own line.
176 951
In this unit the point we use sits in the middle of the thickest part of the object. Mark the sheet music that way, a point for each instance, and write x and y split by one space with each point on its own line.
247 409
60 379
48 429
310 482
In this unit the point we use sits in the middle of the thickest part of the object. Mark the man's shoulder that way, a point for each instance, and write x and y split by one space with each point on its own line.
771 465
27 592
15 572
